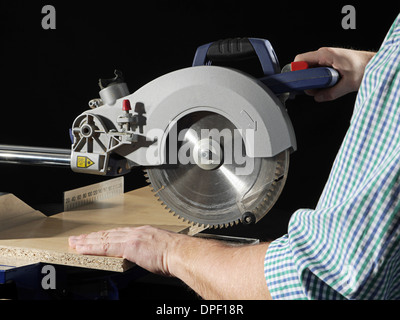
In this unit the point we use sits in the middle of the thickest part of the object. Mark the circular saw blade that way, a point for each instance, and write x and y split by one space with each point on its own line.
219 185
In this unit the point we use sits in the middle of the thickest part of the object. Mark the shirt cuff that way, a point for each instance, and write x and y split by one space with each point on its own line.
280 272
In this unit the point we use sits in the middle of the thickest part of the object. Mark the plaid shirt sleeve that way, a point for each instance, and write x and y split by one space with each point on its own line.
349 246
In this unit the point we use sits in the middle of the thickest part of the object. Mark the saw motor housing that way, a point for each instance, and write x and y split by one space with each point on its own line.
108 140
140 136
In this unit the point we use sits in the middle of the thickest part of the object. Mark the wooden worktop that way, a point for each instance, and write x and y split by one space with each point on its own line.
27 236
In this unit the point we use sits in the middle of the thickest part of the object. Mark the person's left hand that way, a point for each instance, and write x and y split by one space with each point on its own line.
146 246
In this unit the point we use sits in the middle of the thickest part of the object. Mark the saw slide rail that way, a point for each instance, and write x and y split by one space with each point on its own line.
37 156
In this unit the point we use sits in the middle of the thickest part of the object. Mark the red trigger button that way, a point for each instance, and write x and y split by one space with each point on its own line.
299 65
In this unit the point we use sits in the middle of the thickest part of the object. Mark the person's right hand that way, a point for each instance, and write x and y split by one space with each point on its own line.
349 63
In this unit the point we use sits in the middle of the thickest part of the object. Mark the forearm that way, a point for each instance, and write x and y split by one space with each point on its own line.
218 271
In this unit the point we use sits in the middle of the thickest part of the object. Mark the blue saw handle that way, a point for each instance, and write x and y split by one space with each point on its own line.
243 48
296 81
239 49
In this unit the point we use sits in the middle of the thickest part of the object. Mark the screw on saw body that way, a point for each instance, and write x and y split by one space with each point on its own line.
95 103
87 130
248 218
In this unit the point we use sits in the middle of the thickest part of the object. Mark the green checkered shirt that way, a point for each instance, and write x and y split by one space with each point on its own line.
349 246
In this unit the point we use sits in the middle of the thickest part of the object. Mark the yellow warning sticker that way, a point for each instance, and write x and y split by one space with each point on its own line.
83 162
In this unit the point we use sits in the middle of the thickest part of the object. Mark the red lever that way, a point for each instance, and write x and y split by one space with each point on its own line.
299 65
126 105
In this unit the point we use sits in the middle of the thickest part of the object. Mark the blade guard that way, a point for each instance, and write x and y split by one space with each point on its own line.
243 100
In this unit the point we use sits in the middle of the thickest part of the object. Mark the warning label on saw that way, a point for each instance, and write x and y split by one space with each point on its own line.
83 162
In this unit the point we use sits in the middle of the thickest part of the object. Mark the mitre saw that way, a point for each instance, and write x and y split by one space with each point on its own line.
214 141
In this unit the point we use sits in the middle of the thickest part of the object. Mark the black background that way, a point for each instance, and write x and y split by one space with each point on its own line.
48 76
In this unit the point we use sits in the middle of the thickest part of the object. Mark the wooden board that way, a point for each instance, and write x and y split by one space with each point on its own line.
27 236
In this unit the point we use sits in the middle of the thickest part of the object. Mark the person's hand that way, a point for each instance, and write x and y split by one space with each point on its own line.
146 246
349 63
